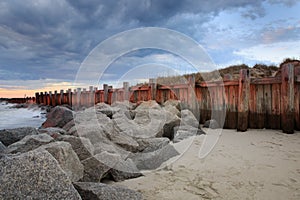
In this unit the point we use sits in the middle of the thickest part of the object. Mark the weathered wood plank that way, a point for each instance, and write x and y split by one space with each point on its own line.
275 112
260 107
268 105
243 107
252 107
297 106
287 98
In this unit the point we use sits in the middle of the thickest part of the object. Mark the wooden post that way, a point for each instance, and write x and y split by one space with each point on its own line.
61 97
243 105
153 88
287 98
42 98
91 96
126 91
191 96
84 97
50 98
97 96
74 99
78 98
70 97
46 98
105 89
55 98
37 96
109 94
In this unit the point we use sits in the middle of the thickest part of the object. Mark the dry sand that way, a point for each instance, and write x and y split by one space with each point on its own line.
257 164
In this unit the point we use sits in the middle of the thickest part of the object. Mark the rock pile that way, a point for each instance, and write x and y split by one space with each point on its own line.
73 152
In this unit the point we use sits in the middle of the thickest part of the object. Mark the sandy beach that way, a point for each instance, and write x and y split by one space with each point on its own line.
257 164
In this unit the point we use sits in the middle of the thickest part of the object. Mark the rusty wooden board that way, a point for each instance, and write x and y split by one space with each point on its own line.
275 111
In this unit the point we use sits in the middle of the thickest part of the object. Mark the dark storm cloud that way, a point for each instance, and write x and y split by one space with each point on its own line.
49 39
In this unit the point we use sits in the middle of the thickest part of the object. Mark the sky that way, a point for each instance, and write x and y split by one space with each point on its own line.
44 43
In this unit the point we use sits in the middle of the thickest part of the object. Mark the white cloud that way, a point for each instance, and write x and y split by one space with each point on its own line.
275 52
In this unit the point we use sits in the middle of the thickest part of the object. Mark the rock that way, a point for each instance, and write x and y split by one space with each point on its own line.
54 132
105 146
152 144
172 103
148 105
94 169
213 124
10 136
59 116
124 105
183 132
73 131
82 146
100 191
125 108
121 169
101 106
34 175
188 118
173 110
171 122
131 128
109 112
124 141
92 125
2 148
69 125
150 122
29 143
153 160
67 159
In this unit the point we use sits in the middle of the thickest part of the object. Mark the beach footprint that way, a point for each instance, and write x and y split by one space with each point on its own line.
203 188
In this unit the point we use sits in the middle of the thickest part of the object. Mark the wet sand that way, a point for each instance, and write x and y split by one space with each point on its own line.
257 164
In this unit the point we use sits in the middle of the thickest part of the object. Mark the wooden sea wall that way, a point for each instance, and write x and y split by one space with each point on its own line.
272 103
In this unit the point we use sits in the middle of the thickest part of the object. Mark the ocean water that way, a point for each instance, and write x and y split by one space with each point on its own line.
20 117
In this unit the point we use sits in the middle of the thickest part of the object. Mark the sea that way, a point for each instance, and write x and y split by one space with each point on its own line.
11 117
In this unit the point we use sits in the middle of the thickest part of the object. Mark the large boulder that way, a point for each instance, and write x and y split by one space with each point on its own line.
94 169
54 132
150 121
109 112
172 103
10 136
59 116
100 191
93 125
188 118
152 160
168 126
124 105
135 128
82 146
29 143
123 140
172 109
121 169
67 159
69 125
213 124
2 148
152 144
145 105
100 165
34 175
183 132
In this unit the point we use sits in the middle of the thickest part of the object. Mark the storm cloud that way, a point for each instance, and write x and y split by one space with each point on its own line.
48 39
